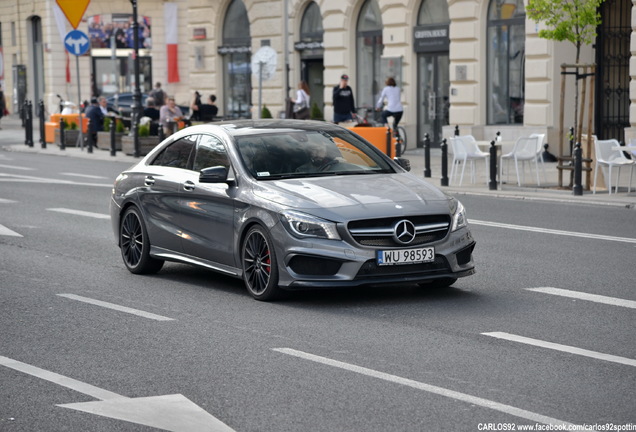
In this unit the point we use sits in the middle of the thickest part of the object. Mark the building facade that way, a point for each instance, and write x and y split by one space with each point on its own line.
477 64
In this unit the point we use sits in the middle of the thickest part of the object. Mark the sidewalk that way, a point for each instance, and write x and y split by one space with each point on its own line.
12 138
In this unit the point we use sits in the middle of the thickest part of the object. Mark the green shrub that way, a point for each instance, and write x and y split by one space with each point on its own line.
107 122
265 112
144 130
119 126
316 114
72 126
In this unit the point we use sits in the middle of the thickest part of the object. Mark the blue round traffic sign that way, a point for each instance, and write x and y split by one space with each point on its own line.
77 42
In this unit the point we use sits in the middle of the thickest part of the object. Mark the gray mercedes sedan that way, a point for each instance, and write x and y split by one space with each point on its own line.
288 204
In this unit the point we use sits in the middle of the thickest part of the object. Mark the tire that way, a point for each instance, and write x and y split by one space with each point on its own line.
402 133
260 267
135 245
438 283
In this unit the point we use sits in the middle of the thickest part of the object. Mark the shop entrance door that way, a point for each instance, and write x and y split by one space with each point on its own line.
433 102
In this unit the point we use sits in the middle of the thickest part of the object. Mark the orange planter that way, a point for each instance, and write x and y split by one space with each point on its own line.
377 137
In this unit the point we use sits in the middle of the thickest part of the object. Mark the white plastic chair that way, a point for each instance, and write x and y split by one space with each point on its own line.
611 158
526 149
465 149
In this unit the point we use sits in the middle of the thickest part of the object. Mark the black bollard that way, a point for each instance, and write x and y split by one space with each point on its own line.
161 133
577 189
62 134
492 184
388 141
42 121
113 145
427 155
444 179
28 123
89 140
456 130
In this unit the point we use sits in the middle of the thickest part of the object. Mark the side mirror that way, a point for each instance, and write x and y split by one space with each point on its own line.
217 174
404 163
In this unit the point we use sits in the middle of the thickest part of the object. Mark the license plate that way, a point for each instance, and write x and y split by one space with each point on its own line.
405 256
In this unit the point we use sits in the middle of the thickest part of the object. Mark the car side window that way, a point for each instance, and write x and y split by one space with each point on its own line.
177 154
210 153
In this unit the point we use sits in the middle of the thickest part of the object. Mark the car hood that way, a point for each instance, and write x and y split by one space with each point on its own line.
385 194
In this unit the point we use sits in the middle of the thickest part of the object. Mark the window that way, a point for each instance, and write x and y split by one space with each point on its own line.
369 52
311 25
177 154
236 61
210 153
506 61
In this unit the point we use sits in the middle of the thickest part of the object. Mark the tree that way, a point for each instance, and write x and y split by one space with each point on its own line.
568 20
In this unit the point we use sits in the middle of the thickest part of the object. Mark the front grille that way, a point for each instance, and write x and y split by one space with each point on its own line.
370 269
380 232
314 266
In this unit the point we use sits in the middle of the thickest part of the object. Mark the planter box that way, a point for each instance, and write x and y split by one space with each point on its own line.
103 140
145 144
70 137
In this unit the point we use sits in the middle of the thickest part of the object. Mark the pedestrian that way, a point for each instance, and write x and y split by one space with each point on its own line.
158 95
392 94
195 107
170 114
301 103
3 105
95 120
343 104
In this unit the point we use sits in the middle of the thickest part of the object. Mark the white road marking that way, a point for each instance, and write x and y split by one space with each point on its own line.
69 383
15 178
116 307
554 232
170 412
508 409
80 213
6 201
562 348
19 168
84 176
4 231
585 296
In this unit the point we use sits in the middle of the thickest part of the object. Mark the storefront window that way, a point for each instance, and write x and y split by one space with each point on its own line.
369 47
237 96
311 25
506 61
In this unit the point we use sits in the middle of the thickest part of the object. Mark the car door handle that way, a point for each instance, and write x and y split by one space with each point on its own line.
150 180
188 185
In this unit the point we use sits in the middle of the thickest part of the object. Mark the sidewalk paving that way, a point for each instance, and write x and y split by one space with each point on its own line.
12 138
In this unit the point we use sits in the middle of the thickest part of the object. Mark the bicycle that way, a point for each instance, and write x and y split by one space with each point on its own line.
364 118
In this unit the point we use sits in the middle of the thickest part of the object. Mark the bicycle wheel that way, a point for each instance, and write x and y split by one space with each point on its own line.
402 133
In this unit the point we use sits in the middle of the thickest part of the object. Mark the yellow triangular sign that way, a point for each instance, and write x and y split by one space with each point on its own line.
74 10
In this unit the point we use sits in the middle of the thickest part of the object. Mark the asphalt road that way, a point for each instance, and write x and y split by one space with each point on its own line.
542 334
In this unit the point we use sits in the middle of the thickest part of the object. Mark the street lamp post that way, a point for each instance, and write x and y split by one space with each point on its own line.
136 104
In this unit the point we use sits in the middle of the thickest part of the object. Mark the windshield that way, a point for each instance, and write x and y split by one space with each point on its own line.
300 153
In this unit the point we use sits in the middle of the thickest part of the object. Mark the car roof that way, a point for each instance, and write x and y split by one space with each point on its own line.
250 127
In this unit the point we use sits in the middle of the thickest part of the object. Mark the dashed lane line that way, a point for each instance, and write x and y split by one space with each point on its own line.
585 296
508 409
116 307
84 176
18 168
552 231
563 348
80 213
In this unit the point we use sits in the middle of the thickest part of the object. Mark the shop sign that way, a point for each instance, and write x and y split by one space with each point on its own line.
234 50
431 38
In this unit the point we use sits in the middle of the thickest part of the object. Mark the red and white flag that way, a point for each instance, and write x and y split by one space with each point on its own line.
60 20
172 31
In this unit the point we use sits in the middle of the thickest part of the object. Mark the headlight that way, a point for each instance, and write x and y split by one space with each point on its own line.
458 214
302 225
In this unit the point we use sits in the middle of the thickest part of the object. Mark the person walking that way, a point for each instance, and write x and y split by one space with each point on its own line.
195 107
392 94
343 103
95 120
158 95
3 105
302 102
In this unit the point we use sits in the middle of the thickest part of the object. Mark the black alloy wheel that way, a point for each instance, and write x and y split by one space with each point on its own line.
260 270
134 244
